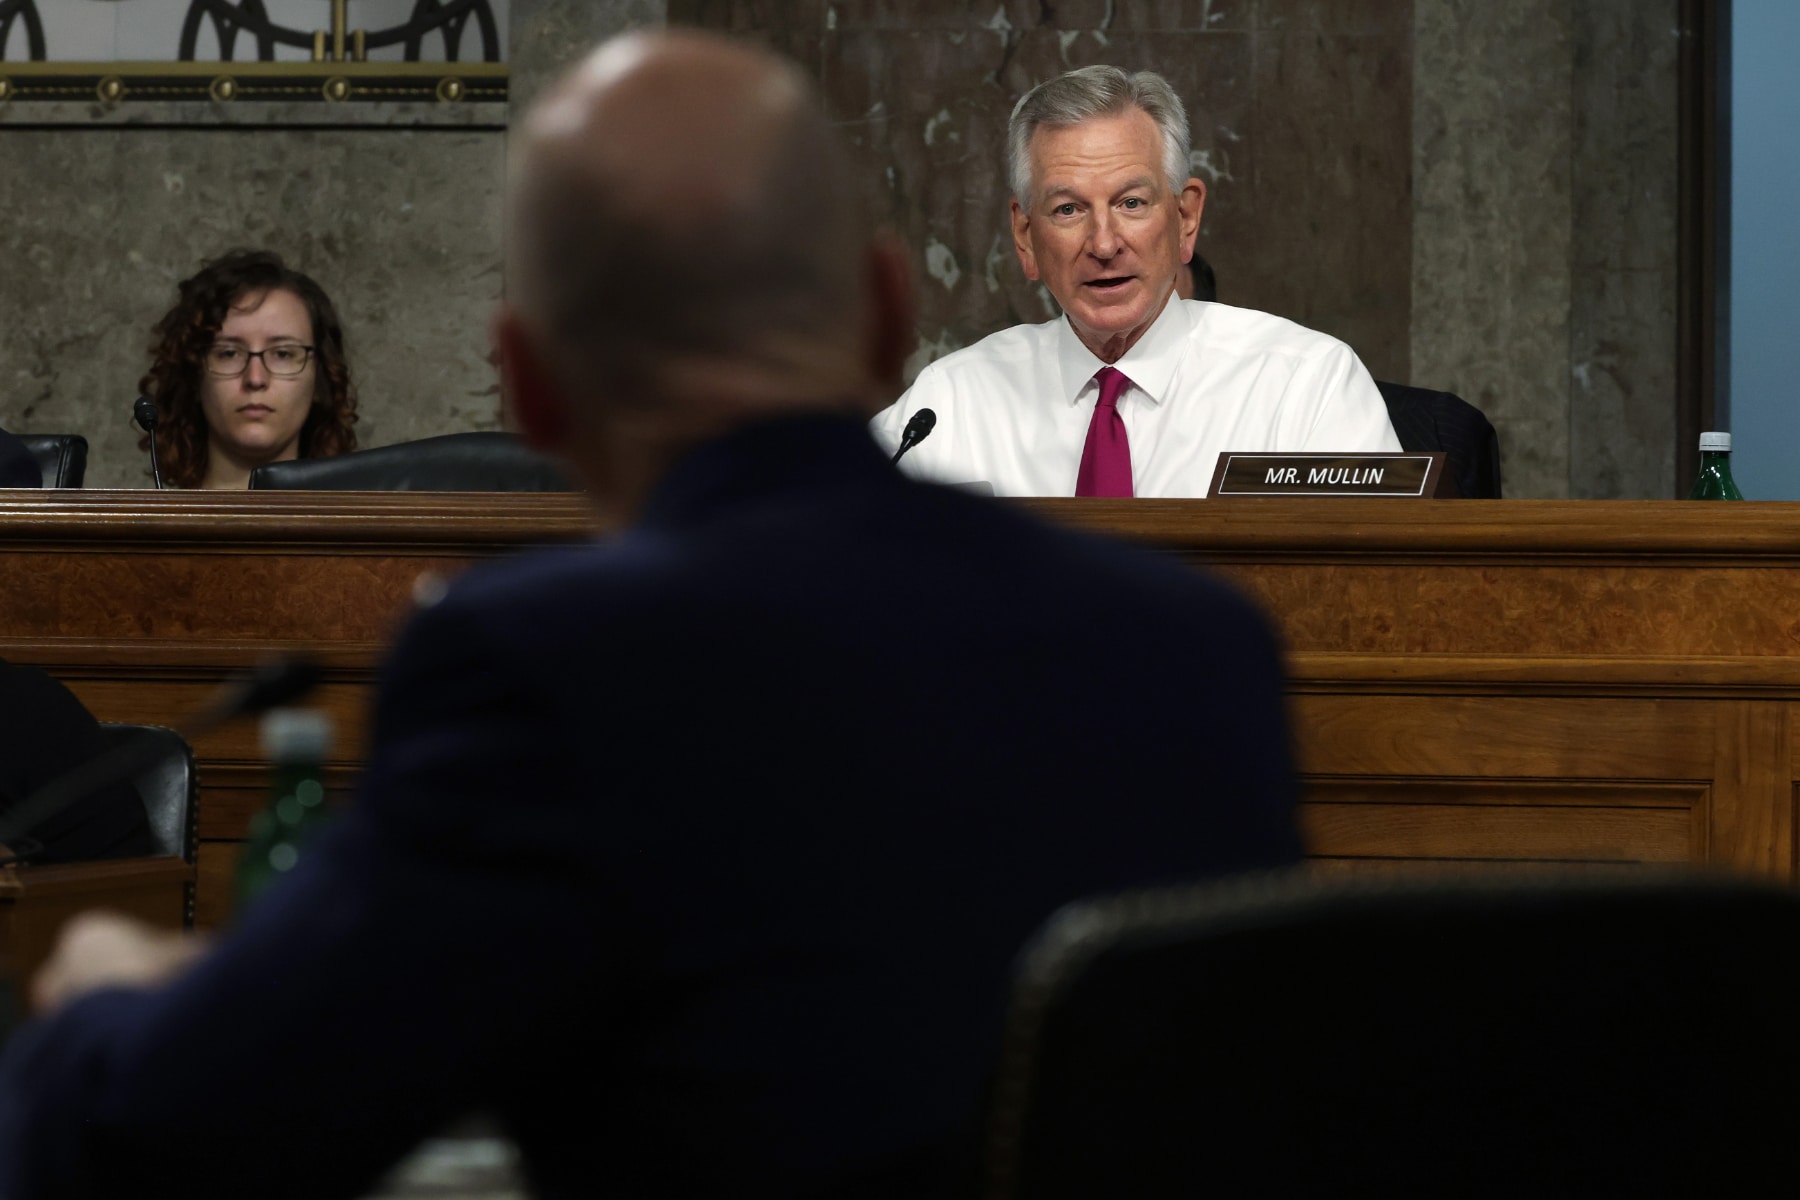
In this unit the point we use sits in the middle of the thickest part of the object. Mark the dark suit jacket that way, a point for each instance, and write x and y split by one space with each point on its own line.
698 857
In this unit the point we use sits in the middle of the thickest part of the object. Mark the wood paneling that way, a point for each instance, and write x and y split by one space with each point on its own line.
1467 831
153 701
1474 683
1375 820
1670 533
1523 737
1504 644
1488 832
1752 821
1503 609
1403 868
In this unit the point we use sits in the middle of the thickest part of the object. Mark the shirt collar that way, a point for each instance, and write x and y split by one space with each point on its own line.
1149 364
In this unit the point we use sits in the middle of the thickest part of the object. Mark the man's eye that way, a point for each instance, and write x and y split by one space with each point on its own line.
1133 202
1065 210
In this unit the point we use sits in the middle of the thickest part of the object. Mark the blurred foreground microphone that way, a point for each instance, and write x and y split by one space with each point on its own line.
917 430
145 412
274 682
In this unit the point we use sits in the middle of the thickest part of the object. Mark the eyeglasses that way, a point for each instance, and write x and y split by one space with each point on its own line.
228 361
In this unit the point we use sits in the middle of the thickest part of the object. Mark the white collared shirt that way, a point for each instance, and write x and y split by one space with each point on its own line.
1013 409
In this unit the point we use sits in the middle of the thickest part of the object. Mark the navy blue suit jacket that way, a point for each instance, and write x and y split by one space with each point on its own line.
699 857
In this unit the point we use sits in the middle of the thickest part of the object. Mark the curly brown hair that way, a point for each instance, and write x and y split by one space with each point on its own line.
184 335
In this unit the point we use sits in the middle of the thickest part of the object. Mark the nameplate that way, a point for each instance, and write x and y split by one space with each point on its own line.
1398 475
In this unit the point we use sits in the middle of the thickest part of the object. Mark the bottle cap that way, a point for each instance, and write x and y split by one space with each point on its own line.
1716 442
296 734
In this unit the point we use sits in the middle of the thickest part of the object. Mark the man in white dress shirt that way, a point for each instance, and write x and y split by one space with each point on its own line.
1132 391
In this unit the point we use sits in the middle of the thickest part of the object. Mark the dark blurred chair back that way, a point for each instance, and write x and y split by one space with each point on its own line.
169 786
62 457
456 462
1428 420
1284 1036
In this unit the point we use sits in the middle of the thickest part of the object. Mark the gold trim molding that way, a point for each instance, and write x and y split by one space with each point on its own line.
115 83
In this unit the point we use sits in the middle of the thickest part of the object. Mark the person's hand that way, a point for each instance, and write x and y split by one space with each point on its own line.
104 949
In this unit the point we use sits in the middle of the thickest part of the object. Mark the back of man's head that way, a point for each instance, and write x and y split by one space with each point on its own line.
681 199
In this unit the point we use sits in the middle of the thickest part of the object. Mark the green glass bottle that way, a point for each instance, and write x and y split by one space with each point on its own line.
1715 482
296 741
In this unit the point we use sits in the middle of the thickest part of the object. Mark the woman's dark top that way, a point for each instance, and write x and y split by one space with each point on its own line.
45 731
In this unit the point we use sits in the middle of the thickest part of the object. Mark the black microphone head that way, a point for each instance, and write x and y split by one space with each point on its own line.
921 424
145 412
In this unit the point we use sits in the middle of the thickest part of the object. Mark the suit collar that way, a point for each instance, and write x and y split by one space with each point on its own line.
784 456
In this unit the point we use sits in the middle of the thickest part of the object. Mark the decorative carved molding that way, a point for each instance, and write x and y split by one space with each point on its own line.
115 84
450 20
21 14
257 522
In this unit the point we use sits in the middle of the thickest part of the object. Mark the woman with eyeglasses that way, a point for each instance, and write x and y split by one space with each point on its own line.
248 368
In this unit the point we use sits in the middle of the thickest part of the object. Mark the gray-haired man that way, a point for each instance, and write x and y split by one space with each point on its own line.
1133 391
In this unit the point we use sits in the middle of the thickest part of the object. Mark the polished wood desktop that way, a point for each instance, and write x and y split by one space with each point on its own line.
1478 683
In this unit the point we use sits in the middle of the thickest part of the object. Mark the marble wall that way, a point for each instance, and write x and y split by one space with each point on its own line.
1492 223
547 35
1623 299
1544 252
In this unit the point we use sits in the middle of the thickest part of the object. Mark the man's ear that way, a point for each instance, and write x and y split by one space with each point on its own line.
537 407
1021 231
1190 203
893 313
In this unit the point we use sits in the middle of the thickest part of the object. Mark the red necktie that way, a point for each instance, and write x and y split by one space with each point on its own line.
1106 459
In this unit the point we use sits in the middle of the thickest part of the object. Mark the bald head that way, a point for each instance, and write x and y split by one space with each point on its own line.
680 198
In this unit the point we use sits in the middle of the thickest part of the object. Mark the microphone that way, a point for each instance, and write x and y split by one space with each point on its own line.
145 412
275 681
917 430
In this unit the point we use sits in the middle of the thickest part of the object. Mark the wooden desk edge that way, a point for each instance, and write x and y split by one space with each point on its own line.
67 879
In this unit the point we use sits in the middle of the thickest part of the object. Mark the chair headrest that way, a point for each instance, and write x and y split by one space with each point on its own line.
456 462
60 458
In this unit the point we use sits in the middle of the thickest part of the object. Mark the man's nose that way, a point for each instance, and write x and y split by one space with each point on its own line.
1103 239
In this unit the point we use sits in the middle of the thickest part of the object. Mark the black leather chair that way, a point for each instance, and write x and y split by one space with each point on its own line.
1428 420
456 462
170 787
1288 1036
168 783
62 457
